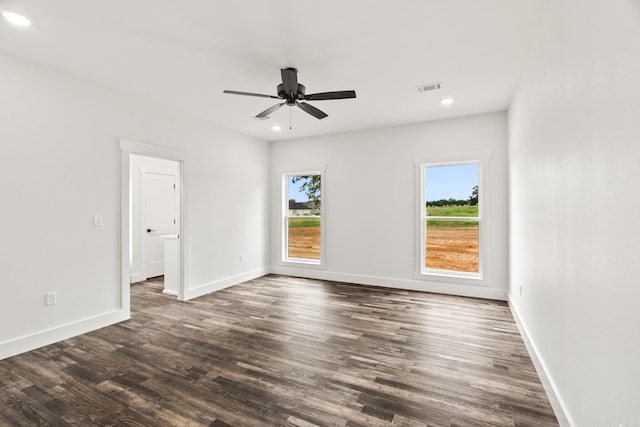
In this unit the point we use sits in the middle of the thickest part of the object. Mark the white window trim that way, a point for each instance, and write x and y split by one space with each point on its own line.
442 159
302 262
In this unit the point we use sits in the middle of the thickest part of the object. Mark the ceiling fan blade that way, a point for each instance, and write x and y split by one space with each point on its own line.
318 114
235 92
270 110
341 94
289 80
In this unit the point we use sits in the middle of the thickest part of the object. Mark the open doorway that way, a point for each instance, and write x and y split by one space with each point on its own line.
152 217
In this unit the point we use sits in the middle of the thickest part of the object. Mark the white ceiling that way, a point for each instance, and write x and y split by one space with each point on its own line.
183 54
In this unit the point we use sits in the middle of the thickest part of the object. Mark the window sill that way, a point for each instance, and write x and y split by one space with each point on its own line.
441 276
303 263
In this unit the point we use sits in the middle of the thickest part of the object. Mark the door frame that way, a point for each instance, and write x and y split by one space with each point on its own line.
127 148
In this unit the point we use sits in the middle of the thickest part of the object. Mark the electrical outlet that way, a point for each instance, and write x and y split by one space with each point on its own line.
242 257
411 262
50 298
97 220
520 290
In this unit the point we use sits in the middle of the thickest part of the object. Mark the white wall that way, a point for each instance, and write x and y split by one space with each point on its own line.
369 196
61 165
574 157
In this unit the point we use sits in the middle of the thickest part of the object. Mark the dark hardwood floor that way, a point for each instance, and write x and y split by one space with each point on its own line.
285 351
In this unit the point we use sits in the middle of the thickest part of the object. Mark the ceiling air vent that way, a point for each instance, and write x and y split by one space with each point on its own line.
429 87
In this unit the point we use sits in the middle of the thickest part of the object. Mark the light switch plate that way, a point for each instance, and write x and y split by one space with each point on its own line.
50 298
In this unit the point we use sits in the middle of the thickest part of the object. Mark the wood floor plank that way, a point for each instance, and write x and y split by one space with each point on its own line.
284 351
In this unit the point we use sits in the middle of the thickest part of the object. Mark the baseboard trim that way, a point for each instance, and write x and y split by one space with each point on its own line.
387 282
225 283
549 385
50 336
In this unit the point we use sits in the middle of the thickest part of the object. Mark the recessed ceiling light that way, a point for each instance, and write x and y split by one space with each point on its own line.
16 19
276 128
447 101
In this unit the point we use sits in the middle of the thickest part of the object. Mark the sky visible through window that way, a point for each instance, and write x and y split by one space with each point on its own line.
294 191
444 182
450 181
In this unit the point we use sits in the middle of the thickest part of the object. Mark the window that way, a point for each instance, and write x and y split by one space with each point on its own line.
450 219
303 219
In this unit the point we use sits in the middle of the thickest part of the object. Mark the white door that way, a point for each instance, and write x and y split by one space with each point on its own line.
159 217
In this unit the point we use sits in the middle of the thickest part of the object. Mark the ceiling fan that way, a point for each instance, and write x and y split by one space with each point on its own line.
291 92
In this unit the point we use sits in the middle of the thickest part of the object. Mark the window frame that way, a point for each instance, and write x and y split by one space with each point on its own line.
284 220
481 158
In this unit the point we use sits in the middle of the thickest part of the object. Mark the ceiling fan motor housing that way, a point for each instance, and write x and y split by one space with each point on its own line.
291 97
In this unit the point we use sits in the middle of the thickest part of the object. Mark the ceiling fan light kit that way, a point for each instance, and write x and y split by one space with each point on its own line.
293 94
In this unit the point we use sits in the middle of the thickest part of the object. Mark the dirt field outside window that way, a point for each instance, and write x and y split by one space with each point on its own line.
448 248
452 248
